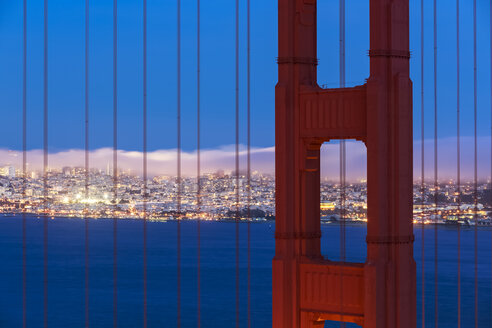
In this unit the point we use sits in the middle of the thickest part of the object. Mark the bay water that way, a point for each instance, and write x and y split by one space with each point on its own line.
66 272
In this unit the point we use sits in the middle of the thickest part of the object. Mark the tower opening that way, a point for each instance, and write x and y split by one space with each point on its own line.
343 200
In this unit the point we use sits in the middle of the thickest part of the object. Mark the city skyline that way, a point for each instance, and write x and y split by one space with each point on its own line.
63 193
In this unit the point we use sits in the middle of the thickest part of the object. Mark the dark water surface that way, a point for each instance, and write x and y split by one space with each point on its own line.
66 272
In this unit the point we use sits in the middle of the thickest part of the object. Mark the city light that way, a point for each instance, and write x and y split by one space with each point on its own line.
67 198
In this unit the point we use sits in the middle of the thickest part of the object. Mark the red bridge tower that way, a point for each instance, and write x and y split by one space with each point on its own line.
308 289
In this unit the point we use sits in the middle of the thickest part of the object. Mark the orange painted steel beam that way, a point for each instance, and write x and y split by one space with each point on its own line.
308 289
333 113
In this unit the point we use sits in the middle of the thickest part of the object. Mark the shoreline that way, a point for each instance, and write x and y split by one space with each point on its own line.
417 225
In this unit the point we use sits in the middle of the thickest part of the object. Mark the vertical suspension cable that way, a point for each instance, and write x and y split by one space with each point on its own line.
178 100
86 162
144 137
422 158
342 224
458 156
45 168
436 185
237 163
490 34
115 162
342 43
343 149
248 95
198 165
24 160
475 166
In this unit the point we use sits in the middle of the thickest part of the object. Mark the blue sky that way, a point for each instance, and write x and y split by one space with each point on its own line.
66 75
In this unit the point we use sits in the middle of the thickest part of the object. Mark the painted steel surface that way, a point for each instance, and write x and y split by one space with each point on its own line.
308 289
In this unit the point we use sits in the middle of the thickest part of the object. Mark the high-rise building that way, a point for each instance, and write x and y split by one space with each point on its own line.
8 171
